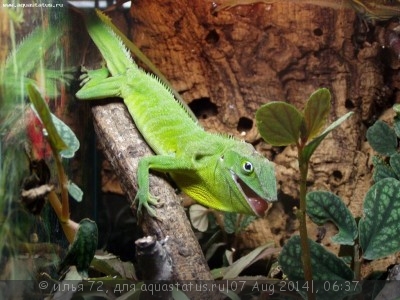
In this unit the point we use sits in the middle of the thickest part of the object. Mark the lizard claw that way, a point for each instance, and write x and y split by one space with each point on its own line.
88 75
146 203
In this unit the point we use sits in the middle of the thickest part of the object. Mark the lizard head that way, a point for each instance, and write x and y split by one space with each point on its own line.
237 179
253 177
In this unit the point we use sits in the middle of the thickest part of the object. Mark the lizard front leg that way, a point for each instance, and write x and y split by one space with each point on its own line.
162 163
97 85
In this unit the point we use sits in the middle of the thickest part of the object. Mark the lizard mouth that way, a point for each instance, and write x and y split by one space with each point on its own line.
257 203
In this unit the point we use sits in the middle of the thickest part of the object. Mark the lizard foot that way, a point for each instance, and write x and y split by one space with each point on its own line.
92 75
146 203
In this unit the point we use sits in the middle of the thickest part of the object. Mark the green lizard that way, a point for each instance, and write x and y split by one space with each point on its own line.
215 170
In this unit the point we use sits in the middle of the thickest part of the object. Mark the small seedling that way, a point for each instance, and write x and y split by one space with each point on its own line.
376 233
282 124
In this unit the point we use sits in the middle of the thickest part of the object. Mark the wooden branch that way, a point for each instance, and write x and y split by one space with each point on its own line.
124 146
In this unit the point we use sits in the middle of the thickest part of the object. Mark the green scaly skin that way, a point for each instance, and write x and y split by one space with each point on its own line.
216 171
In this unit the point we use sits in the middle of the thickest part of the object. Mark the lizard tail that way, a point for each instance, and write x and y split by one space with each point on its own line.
97 25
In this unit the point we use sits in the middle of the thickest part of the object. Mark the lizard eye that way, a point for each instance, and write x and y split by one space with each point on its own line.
248 167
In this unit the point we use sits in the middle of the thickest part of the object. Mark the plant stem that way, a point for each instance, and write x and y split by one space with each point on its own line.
62 208
69 227
357 262
305 247
63 182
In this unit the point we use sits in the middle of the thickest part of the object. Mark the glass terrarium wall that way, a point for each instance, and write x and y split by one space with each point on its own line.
38 154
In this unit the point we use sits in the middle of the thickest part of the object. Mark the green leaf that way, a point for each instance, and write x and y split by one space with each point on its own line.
312 146
68 136
238 266
230 294
40 40
109 264
179 295
396 125
75 191
246 221
134 293
381 169
83 248
230 220
396 109
22 63
325 265
324 206
382 138
218 273
316 112
279 123
45 116
394 162
379 227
